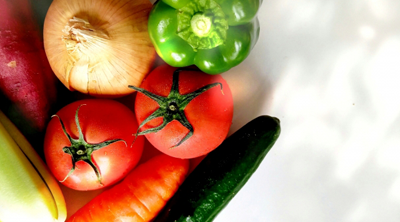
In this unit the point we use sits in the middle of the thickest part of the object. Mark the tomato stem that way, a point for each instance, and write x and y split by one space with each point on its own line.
80 150
172 107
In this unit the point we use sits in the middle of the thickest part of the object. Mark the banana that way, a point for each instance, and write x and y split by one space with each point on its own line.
28 191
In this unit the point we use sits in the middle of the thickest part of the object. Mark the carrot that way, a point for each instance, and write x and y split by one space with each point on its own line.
27 83
140 196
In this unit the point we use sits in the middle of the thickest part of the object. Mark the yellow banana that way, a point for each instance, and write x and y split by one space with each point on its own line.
28 191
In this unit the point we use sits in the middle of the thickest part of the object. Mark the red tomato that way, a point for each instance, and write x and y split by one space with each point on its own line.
106 124
209 114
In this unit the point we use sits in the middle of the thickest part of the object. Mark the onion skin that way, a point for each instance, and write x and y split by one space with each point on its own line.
27 83
99 47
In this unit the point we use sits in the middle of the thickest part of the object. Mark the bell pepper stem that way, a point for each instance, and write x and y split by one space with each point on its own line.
201 25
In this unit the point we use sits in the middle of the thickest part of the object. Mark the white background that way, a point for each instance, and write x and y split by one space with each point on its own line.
330 71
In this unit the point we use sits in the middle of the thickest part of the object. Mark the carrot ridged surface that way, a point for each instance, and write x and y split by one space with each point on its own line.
140 196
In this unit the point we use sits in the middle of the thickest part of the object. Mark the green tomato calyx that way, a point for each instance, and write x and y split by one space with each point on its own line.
81 150
172 107
202 24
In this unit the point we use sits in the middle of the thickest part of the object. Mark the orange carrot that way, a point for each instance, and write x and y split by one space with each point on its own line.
140 196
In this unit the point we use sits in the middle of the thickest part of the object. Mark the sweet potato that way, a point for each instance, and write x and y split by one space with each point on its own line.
27 83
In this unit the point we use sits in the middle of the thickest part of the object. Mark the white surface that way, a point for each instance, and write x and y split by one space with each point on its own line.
329 70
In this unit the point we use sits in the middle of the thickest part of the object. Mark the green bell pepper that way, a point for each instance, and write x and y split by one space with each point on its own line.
214 35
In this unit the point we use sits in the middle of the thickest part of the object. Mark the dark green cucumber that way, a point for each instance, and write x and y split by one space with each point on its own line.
220 176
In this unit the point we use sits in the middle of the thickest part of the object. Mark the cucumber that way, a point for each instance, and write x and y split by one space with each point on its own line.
222 173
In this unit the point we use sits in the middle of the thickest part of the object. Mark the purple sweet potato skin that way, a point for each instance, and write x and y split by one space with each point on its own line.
26 79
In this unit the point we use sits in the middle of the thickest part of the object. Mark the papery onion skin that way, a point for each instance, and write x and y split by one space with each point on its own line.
99 47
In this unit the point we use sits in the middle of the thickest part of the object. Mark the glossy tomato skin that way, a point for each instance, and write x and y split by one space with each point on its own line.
210 113
100 120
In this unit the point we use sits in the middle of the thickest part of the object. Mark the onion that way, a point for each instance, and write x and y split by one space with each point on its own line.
99 47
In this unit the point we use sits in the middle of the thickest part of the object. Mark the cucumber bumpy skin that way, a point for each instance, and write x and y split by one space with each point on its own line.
222 173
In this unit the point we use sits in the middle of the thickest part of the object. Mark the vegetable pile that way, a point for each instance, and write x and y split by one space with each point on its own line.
149 137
